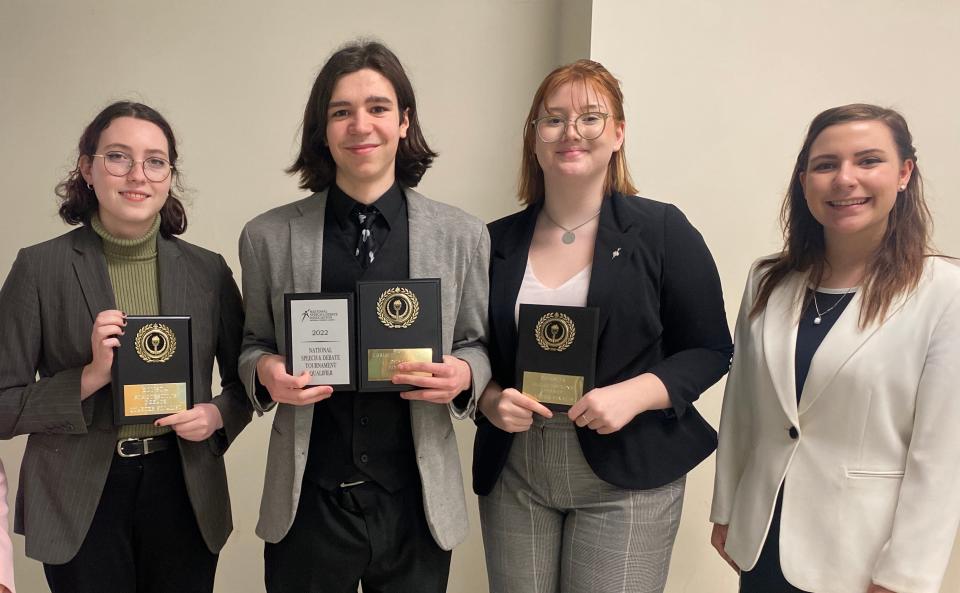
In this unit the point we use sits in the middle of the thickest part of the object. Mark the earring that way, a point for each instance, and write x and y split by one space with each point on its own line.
903 187
90 186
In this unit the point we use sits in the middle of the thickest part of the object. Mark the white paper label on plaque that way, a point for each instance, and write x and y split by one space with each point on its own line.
320 333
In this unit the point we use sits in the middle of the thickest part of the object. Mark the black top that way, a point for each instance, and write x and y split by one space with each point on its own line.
362 436
810 334
661 311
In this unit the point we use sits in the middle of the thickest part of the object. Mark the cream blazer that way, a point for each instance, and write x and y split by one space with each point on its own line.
871 471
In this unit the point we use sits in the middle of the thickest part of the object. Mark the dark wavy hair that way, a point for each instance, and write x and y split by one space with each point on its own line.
315 164
897 264
78 202
592 76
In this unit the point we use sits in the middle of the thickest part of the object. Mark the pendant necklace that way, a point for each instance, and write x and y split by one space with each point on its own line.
819 318
568 235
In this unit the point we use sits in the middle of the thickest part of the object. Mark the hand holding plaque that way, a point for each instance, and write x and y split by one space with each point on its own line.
152 372
557 353
399 322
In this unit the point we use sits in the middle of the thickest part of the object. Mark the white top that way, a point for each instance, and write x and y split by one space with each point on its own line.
572 293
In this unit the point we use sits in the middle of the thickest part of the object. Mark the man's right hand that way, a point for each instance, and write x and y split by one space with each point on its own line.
510 410
288 389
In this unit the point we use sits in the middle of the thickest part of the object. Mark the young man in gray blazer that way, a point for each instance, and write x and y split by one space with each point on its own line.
363 488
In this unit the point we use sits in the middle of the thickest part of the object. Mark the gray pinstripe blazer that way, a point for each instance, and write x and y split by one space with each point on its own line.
47 307
281 251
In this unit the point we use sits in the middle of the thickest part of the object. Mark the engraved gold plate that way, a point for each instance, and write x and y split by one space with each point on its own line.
551 388
382 362
154 398
555 332
398 308
155 342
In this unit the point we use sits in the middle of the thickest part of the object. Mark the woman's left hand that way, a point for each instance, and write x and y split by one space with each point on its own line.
608 409
195 424
879 589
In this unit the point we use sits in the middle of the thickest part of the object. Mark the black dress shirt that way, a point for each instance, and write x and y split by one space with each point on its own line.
362 436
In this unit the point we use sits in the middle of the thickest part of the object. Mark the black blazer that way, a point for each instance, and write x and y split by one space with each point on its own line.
47 306
661 311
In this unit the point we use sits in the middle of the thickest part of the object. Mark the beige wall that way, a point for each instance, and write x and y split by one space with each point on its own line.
233 84
718 97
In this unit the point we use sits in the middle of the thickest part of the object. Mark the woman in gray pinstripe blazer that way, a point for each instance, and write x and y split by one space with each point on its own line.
142 508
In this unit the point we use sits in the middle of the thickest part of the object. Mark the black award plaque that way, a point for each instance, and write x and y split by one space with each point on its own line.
319 330
399 322
152 373
557 353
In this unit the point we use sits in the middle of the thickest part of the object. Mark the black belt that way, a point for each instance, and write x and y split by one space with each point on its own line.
134 447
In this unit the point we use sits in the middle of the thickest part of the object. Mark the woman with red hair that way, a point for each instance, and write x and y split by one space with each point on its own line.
590 500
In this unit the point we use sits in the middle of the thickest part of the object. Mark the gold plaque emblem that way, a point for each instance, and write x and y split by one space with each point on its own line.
555 332
155 342
398 308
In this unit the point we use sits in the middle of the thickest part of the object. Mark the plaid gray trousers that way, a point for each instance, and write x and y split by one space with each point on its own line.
550 525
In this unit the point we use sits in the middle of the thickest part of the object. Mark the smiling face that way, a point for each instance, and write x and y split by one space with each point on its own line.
852 179
127 205
572 156
364 128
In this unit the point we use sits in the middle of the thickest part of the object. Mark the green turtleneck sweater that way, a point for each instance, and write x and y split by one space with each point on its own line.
132 266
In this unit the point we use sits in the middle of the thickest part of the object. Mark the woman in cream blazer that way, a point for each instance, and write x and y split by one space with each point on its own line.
840 434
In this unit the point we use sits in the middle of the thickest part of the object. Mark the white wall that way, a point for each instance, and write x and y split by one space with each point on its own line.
719 95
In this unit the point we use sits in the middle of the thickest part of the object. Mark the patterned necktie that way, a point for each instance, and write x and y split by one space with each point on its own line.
366 242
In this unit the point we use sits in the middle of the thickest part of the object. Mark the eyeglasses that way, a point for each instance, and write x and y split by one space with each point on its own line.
589 126
119 164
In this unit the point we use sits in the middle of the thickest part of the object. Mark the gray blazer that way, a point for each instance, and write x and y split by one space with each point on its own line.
281 251
47 307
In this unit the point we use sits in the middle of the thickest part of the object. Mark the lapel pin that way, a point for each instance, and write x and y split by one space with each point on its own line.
616 253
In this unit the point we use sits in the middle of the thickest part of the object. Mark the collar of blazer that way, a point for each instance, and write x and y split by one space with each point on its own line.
614 236
91 269
306 239
780 323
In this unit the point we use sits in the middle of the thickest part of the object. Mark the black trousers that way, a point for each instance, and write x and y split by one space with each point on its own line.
144 537
767 576
357 535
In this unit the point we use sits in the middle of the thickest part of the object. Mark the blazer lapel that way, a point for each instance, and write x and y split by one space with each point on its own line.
306 244
91 269
507 266
611 254
306 271
841 343
780 341
423 245
173 279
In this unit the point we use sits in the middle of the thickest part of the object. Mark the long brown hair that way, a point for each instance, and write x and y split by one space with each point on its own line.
78 202
590 74
315 164
897 264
